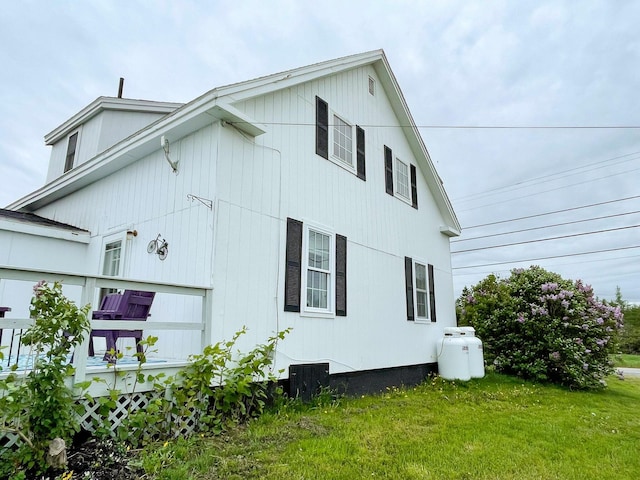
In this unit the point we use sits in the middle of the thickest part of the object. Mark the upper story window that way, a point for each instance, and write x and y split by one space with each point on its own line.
341 138
71 152
401 179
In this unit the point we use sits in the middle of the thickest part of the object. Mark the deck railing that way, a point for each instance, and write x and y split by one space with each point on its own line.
90 285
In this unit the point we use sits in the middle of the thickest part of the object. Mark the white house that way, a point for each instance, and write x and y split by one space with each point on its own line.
304 199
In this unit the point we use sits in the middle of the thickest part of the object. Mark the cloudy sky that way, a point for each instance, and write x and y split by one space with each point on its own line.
532 68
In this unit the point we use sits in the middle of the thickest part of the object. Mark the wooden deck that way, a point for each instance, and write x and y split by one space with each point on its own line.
84 370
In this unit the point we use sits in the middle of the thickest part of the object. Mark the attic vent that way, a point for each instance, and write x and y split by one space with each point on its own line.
372 86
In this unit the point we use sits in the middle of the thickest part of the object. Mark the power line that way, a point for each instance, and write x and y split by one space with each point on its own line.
457 240
546 258
552 212
581 262
494 191
545 239
547 191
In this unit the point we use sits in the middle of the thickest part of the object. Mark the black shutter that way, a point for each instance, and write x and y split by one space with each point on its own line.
293 267
362 174
408 280
341 276
388 169
414 188
322 128
432 294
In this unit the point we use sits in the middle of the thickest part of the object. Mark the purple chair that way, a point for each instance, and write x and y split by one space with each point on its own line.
130 305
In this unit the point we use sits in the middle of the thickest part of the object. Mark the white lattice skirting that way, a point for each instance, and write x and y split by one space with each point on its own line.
91 417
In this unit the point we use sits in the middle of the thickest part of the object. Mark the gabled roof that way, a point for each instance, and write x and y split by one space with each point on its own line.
217 104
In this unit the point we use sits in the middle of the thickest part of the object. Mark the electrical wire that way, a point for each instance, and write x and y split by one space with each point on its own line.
544 239
546 258
458 240
552 212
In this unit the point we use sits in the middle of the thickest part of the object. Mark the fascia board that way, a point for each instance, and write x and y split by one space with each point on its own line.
44 231
108 103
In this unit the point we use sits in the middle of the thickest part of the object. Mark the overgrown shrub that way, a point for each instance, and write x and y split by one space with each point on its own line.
539 326
218 389
38 406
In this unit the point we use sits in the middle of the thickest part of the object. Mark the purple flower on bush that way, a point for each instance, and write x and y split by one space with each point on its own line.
554 356
585 366
520 318
38 286
599 321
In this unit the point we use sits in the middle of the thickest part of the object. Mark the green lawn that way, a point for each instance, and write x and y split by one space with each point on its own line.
494 428
625 360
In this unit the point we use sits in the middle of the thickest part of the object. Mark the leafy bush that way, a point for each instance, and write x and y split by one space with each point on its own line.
539 326
219 389
39 407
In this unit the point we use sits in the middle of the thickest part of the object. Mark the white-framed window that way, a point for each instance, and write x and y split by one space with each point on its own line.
318 252
343 141
421 288
72 148
402 186
112 262
372 86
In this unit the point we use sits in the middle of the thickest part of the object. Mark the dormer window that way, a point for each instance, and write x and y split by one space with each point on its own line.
71 152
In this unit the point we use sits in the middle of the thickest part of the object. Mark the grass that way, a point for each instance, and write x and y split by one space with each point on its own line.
626 360
494 428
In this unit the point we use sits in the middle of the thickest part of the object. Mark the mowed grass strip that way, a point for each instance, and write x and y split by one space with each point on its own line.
626 360
494 428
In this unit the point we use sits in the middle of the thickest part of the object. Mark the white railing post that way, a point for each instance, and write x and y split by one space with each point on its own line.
207 319
82 350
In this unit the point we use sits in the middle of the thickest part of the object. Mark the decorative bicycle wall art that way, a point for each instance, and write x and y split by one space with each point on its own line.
159 246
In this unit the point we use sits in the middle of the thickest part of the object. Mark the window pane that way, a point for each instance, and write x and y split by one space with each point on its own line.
317 292
422 304
402 178
421 289
319 245
421 277
342 140
111 265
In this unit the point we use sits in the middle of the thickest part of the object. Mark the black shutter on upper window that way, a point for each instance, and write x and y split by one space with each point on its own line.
341 276
414 188
360 166
322 128
432 294
388 169
293 267
408 280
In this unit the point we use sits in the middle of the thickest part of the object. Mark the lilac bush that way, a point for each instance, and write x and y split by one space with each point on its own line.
539 326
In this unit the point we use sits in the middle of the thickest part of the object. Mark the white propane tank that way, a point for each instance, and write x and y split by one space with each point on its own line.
453 356
476 356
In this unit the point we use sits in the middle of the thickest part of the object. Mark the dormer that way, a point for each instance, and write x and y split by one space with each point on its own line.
97 127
